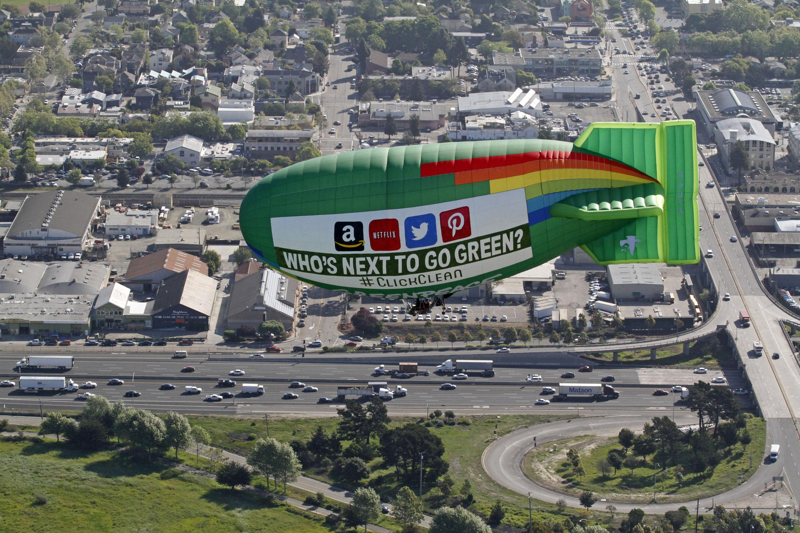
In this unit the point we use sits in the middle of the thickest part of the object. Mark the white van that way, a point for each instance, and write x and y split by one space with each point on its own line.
180 354
774 451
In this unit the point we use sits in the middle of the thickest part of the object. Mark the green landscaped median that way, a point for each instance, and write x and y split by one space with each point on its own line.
708 353
634 481
48 486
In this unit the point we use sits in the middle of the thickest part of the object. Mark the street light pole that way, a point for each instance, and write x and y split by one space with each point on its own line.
421 457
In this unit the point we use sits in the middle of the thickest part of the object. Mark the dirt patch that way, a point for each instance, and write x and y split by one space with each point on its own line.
540 464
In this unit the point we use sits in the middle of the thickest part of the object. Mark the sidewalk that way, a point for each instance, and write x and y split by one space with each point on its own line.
303 483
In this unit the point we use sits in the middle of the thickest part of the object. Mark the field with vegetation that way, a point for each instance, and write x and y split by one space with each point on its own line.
707 352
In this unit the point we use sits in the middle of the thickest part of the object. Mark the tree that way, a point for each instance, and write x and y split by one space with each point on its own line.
647 11
615 460
390 128
35 69
604 466
524 335
263 458
61 66
90 434
70 11
141 146
407 508
223 37
307 151
457 520
213 260
445 485
143 430
20 176
650 322
643 446
688 84
739 158
525 79
233 474
350 469
514 39
497 514
80 45
677 519
366 505
481 336
452 337
555 338
666 40
416 93
242 255
409 339
365 323
414 125
510 335
199 438
178 432
74 176
439 57
360 424
587 499
401 448
287 465
436 337
123 178
324 445
56 423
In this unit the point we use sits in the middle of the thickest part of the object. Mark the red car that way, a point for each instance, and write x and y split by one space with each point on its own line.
660 392
274 349
187 369
585 368
185 342
350 343
65 342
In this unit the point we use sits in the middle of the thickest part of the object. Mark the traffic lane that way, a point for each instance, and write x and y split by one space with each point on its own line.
271 372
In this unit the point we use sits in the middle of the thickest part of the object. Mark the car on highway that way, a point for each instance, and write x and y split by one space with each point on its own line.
160 343
585 368
35 342
187 369
290 396
185 342
350 344
542 401
129 343
608 379
734 239
568 375
91 343
677 388
226 383
261 355
448 386
191 389
227 394
315 344
337 123
718 379
558 398
716 214
213 398
548 390
7 383
534 378
65 342
167 386
89 385
115 381
84 396
324 399
460 376
504 349
741 392
660 392
727 296
310 388
273 349
108 342
701 370
776 355
297 385
132 394
236 372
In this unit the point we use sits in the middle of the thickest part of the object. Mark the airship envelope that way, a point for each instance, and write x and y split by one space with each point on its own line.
420 221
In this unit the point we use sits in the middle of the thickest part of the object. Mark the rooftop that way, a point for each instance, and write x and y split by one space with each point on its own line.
744 129
169 259
66 211
114 294
185 141
190 289
637 274
724 103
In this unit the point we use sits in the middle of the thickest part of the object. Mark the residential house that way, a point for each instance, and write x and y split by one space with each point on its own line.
305 81
241 73
378 63
124 83
180 17
186 148
133 57
160 59
146 97
171 31
23 36
119 20
242 91
581 11
210 95
498 79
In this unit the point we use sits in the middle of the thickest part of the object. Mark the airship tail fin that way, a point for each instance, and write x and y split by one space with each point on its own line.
663 217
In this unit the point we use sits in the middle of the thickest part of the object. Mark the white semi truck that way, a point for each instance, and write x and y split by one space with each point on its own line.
373 388
252 388
466 366
41 383
608 307
61 362
595 390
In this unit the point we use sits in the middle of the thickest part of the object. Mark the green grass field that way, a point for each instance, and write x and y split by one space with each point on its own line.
636 485
47 486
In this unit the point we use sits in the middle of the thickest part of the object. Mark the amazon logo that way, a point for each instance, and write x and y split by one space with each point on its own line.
348 236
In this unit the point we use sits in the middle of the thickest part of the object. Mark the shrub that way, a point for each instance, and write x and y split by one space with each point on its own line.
41 499
333 519
252 436
3 424
464 421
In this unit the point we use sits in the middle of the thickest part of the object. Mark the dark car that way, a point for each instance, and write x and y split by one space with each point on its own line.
660 392
133 394
185 342
167 386
298 348
324 400
91 343
145 343
226 383
227 394
115 381
187 369
160 343
585 368
109 342
51 342
558 397
568 375
608 378
290 396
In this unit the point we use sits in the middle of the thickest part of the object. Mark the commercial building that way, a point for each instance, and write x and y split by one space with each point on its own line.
235 111
641 281
581 11
114 309
51 223
132 222
689 7
509 290
431 115
266 144
261 296
484 128
305 81
572 91
186 239
501 103
722 104
185 301
785 278
186 148
148 272
548 63
755 138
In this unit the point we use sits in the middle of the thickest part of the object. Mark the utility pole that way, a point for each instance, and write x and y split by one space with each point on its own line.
697 515
530 512
266 419
421 457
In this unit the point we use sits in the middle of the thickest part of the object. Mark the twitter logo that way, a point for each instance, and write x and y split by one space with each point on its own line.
421 231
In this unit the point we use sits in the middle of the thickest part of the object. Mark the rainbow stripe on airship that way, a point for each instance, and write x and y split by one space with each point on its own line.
415 221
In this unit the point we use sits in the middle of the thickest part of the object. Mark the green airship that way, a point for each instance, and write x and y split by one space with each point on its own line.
431 220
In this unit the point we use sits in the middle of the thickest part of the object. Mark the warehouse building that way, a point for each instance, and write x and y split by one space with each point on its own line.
52 223
186 239
148 272
132 222
641 281
114 309
185 301
261 296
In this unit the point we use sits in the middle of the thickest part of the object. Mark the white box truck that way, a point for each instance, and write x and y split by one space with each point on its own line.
774 452
484 367
758 348
86 181
61 362
608 307
38 383
373 388
596 390
602 295
252 388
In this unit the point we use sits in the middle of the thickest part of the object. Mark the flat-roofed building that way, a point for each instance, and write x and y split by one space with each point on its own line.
755 138
642 281
266 144
132 222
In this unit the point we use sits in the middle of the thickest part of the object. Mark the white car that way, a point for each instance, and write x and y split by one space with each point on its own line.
7 383
89 385
386 318
542 401
701 370
504 349
236 372
504 318
726 297
719 379
213 398
534 378
257 355
677 388
310 388
85 396
460 376
315 344
741 392
372 310
394 318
